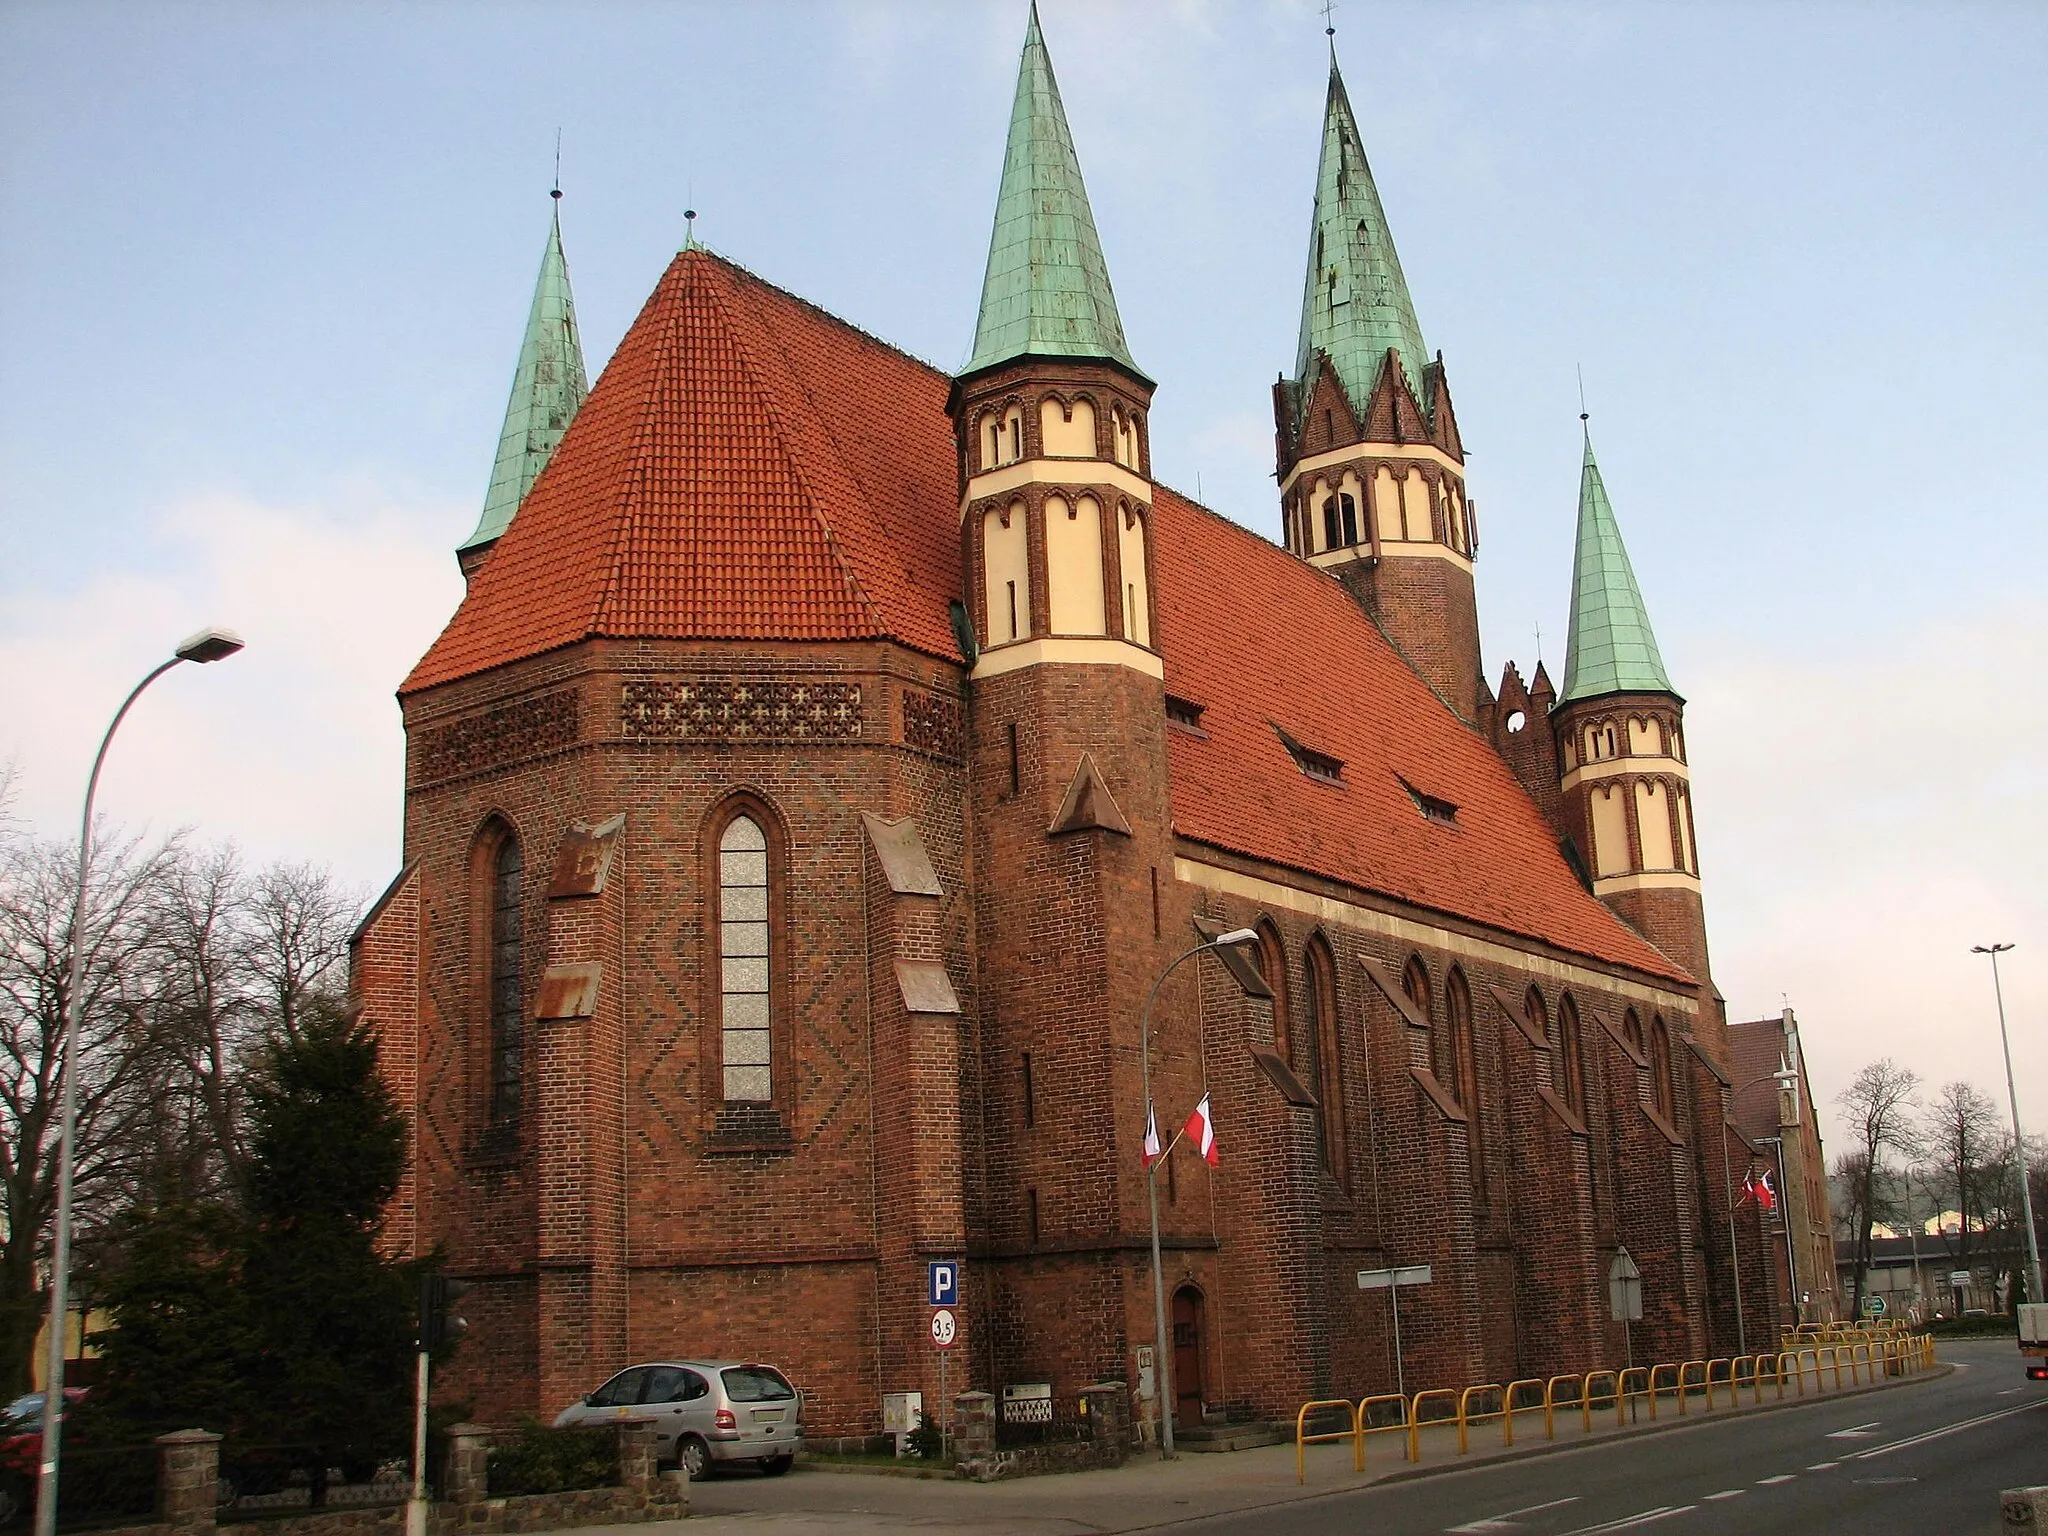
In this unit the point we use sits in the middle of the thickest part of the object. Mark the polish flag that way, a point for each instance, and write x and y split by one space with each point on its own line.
1201 1130
1151 1138
1766 1197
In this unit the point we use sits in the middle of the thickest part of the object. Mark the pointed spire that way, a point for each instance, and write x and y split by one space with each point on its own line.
547 390
1354 304
1610 648
1046 292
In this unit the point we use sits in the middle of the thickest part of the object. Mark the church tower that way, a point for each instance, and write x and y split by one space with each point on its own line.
1371 468
1620 730
547 390
1072 849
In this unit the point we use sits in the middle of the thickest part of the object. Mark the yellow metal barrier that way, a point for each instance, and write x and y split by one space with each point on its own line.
1466 1416
1586 1396
1303 1439
1622 1385
1367 1427
1507 1407
1450 1397
1891 1352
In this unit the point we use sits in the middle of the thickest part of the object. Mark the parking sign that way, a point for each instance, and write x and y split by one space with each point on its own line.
944 1275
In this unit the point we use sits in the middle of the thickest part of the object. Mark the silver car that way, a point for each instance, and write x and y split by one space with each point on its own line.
704 1411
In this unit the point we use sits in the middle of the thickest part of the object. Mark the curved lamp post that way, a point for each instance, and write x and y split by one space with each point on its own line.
207 645
1781 1077
2019 1147
1162 1371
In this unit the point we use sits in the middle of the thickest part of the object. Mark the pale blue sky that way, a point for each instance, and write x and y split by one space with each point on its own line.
262 270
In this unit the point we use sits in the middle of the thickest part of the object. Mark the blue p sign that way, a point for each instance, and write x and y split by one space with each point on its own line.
945 1283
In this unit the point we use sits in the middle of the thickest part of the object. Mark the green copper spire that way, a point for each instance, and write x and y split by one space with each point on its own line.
1046 292
1355 303
1610 648
546 392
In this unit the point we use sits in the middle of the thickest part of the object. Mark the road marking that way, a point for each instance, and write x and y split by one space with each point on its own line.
1823 1466
1725 1493
1629 1521
2008 1392
1948 1429
1505 1520
1782 1477
1857 1432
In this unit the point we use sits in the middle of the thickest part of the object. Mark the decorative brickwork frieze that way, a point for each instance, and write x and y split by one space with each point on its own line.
742 710
511 733
931 724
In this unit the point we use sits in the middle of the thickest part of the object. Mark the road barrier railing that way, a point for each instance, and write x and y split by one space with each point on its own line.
1891 1352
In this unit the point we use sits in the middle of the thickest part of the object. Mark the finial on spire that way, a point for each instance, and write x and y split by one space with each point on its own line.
557 193
689 229
1330 27
1582 391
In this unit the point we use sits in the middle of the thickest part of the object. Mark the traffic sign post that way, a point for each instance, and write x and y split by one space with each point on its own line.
942 1292
945 1329
1391 1281
943 1283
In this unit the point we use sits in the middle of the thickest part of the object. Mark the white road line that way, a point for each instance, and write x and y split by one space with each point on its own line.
1823 1466
1725 1493
1947 1429
1630 1521
1782 1477
1857 1431
1505 1520
2008 1392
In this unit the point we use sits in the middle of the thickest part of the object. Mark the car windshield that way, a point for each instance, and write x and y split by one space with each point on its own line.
755 1384
26 1412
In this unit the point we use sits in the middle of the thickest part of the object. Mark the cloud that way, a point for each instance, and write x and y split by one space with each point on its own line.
291 749
1865 820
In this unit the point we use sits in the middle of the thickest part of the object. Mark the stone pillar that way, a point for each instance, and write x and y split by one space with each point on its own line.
187 1480
1108 1406
637 1457
2025 1510
466 1477
974 1425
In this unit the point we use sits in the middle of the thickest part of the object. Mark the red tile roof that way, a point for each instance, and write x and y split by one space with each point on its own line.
749 467
1326 676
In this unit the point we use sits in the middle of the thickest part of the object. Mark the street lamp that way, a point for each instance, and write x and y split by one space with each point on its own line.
207 645
2019 1147
1162 1372
1781 1077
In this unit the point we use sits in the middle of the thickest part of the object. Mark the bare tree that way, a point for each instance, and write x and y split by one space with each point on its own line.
1962 1134
37 882
297 922
1878 1108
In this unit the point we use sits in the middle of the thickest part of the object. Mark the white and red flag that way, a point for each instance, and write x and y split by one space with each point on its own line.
1766 1197
1201 1130
1151 1138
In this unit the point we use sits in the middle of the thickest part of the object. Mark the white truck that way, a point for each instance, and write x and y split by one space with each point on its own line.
2034 1338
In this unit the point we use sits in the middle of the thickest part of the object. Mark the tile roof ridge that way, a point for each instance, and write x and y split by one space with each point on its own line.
819 310
755 339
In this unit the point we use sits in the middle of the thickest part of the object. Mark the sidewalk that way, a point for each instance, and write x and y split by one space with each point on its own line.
1145 1492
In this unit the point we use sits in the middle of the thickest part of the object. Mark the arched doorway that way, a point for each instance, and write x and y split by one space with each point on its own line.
1188 1386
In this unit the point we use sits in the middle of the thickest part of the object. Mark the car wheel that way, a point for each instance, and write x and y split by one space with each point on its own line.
694 1457
775 1466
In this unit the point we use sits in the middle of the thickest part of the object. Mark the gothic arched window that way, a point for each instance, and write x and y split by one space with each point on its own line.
1273 966
508 987
1571 1067
745 962
1464 1058
1320 996
1660 1066
1415 982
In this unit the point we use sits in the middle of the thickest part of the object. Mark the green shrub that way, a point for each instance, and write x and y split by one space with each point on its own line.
927 1442
537 1459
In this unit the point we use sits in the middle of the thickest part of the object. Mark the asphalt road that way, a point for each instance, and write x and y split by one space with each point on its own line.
1925 1459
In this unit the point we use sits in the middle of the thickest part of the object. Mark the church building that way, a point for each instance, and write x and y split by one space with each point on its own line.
830 755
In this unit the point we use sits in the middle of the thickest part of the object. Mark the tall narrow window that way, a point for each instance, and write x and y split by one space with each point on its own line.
1571 1067
1350 505
1660 1066
1465 1060
1016 769
1415 982
1320 995
1273 967
1030 1103
1333 527
508 989
744 959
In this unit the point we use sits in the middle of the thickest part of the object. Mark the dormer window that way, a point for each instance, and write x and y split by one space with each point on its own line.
1185 713
1317 765
1433 808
